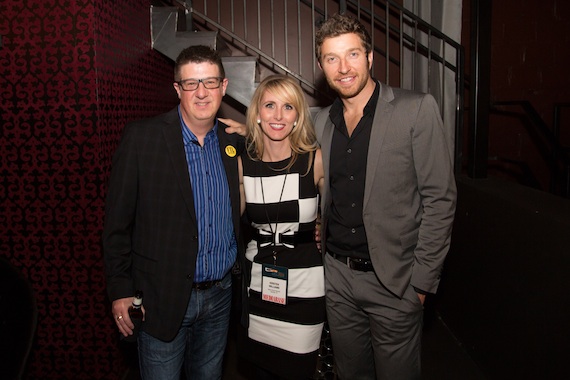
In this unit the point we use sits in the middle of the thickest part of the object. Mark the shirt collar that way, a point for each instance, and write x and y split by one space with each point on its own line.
336 111
189 136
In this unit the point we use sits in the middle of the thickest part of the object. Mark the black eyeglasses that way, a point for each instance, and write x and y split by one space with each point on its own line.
192 84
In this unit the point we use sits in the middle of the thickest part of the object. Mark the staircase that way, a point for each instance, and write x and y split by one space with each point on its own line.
169 36
258 38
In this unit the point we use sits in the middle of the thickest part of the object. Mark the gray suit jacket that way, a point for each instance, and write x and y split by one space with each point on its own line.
410 192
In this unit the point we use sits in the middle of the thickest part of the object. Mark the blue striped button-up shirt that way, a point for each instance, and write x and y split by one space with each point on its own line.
217 247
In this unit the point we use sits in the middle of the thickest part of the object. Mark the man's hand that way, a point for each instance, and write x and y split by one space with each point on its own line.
234 126
422 298
120 310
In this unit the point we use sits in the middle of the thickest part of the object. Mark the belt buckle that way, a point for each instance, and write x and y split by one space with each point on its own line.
352 264
203 285
358 264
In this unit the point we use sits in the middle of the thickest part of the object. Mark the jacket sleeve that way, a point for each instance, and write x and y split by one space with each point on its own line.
433 164
120 210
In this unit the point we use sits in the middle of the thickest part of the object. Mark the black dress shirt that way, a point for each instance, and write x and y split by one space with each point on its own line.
345 230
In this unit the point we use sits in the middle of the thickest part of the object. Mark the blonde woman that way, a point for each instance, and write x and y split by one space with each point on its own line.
280 176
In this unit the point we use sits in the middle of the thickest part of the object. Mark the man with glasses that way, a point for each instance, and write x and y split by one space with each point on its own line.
171 227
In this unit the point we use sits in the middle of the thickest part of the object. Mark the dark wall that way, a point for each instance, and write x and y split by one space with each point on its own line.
504 287
529 61
503 290
71 74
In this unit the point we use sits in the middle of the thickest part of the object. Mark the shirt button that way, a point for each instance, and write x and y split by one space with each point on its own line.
353 230
349 150
351 178
353 205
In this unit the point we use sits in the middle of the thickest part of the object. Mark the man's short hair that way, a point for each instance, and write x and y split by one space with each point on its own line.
198 54
337 25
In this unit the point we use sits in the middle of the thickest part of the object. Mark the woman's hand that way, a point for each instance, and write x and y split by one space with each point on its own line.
234 126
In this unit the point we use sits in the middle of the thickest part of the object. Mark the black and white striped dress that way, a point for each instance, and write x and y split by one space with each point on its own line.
284 339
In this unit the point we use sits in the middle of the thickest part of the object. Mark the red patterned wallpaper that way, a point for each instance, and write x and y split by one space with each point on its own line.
72 73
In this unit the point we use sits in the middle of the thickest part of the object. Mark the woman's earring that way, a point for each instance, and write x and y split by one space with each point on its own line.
258 121
295 123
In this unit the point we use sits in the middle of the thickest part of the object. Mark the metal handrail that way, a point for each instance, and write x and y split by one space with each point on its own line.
207 15
361 11
418 22
556 118
558 153
427 52
257 51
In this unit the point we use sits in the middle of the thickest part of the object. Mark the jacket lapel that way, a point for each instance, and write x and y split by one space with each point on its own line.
173 136
231 146
382 117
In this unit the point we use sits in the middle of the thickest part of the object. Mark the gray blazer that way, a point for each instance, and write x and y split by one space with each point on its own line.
410 192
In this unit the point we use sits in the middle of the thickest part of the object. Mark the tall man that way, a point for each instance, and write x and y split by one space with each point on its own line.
171 227
387 208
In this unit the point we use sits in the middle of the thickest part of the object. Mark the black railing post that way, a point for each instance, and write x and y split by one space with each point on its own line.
480 99
188 14
459 111
564 150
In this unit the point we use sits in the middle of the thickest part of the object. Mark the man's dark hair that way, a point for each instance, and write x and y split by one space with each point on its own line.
198 54
337 25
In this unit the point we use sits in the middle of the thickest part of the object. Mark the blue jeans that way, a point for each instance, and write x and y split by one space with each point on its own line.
200 343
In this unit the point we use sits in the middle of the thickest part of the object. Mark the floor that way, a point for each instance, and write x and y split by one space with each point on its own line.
443 357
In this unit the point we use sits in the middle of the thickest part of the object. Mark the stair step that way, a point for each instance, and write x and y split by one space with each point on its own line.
243 68
243 77
163 22
242 71
170 42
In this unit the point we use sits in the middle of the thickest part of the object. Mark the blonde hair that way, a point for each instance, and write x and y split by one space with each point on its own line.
302 137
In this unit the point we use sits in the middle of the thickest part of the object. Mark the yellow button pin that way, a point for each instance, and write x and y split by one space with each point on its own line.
230 151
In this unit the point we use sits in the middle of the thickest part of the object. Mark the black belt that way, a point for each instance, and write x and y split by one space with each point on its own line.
287 240
362 265
205 285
